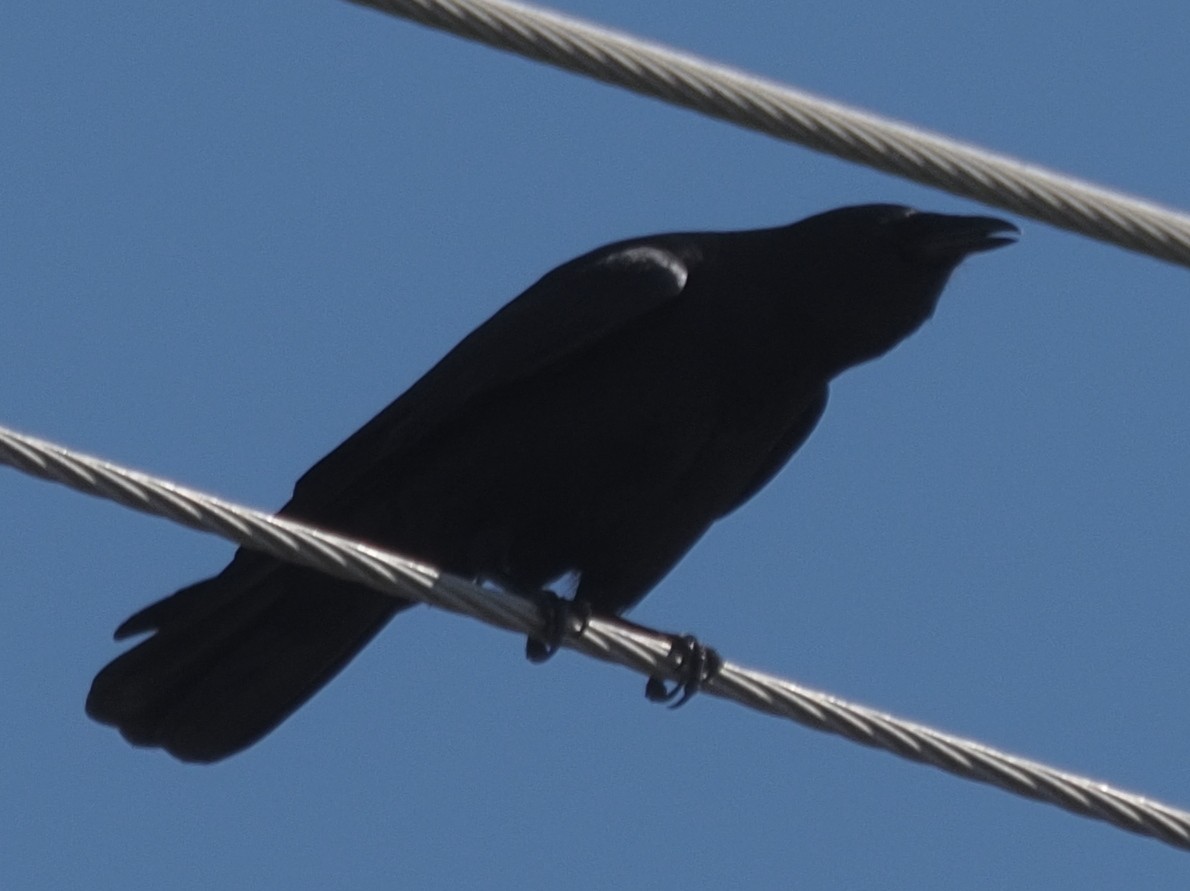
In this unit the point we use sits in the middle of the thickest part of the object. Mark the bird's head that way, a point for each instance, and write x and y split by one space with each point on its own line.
868 276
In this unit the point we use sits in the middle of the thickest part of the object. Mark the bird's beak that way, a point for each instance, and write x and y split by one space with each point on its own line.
949 238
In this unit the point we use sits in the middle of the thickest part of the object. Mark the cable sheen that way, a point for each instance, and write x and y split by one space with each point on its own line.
788 114
814 122
603 639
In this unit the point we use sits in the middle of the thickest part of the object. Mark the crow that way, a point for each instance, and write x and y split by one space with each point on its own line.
596 426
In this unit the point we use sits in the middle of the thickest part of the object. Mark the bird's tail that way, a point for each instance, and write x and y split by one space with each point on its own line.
232 656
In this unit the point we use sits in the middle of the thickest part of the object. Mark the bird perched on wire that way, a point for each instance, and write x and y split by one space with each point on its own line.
597 425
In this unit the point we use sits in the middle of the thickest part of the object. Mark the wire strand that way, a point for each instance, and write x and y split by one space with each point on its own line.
605 639
817 123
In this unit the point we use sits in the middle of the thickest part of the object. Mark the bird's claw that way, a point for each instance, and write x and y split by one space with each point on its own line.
559 615
696 665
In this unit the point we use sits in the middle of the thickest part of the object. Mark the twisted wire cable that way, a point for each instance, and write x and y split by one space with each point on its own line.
817 123
604 639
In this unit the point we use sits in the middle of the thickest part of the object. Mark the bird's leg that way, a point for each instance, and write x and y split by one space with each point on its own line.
696 664
559 614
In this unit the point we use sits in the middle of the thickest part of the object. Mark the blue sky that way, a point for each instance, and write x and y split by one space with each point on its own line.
230 233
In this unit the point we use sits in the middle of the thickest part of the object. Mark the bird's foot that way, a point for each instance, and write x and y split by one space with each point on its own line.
696 665
560 615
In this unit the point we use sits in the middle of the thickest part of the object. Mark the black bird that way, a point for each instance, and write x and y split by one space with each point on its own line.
596 425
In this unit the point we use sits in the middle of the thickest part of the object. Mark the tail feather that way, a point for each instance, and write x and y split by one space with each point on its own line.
232 656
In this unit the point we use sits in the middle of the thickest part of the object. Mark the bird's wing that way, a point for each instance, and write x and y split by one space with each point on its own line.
564 313
790 441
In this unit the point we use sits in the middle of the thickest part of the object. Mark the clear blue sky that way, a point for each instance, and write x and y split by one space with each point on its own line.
229 233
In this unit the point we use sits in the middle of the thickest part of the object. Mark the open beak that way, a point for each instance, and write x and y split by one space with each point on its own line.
949 238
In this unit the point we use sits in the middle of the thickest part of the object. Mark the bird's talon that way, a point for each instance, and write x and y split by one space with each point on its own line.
655 690
696 664
558 617
537 651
